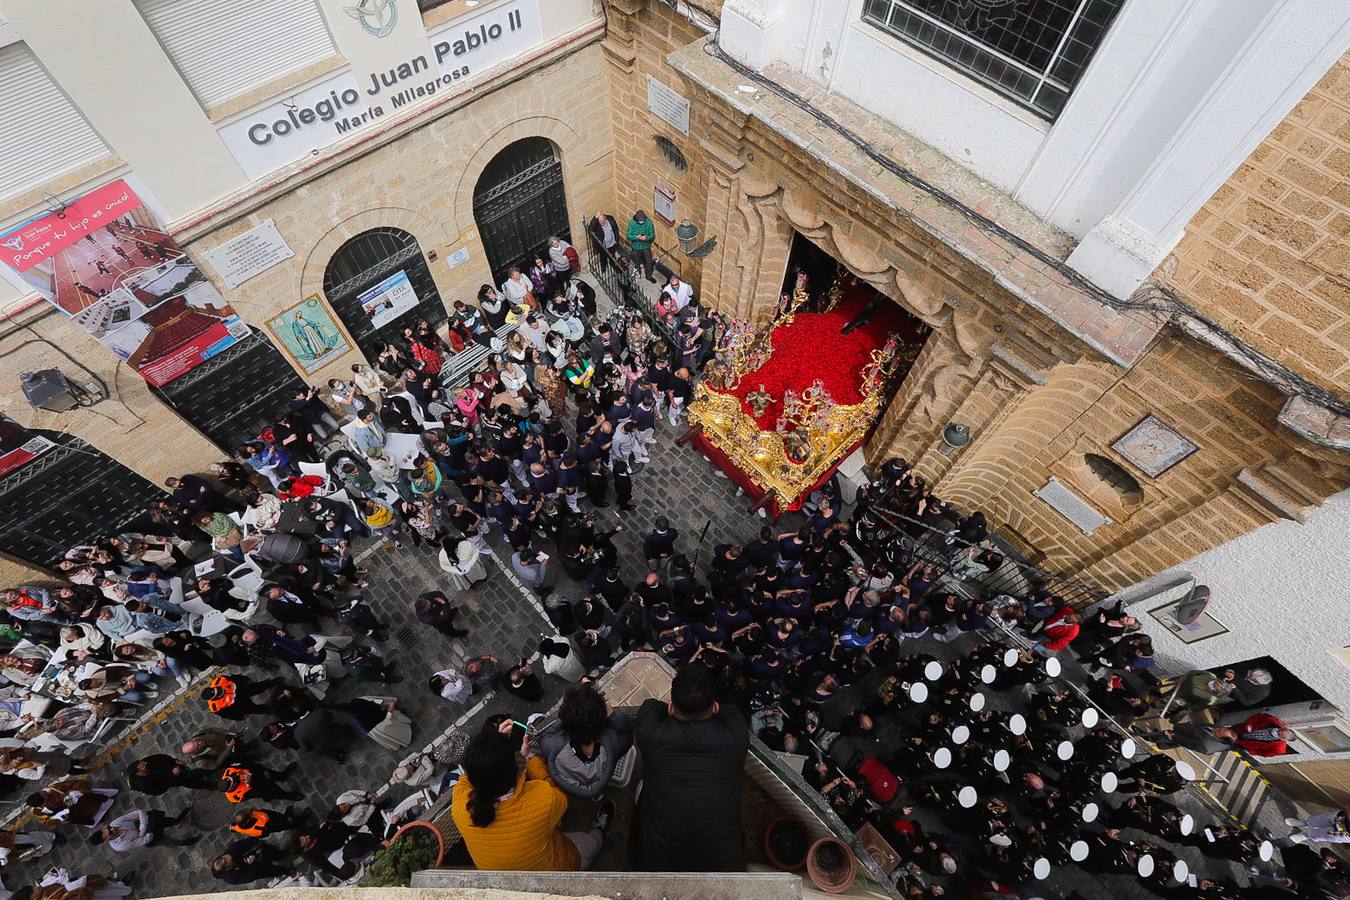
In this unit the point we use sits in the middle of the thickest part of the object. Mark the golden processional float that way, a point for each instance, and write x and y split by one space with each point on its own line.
813 432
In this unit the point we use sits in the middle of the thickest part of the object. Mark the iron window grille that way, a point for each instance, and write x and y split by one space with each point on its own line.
1031 51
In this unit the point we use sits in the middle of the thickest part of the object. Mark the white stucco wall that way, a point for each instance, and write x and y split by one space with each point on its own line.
1176 96
1282 591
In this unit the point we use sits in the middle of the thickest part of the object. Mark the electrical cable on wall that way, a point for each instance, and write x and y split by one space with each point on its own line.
1152 298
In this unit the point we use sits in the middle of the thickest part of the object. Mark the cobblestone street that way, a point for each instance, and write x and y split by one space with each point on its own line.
504 619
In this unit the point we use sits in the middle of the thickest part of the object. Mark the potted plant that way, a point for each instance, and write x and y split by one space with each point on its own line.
416 846
786 843
831 865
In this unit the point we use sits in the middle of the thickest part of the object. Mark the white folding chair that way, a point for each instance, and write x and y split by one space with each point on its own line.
238 520
318 470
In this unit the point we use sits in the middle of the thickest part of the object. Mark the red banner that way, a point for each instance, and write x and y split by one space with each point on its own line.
38 240
18 445
105 261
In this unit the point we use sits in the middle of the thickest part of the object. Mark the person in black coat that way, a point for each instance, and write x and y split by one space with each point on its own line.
159 772
659 546
623 485
249 860
596 484
435 609
688 818
317 843
197 494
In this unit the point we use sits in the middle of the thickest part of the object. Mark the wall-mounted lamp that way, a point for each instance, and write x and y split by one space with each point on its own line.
954 437
687 232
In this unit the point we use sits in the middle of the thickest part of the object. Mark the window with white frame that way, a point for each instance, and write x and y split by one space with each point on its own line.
44 134
226 48
1031 51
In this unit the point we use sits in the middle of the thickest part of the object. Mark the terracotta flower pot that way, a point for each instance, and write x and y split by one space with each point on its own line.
786 843
831 866
436 833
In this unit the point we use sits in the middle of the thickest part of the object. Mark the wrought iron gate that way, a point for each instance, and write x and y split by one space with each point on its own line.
233 396
70 495
519 203
365 261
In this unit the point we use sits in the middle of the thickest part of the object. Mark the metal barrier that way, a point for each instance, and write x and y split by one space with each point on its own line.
923 543
623 288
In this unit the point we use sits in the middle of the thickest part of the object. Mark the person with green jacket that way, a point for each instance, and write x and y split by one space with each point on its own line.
641 234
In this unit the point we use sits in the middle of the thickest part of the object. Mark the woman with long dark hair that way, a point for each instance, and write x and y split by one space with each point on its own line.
508 813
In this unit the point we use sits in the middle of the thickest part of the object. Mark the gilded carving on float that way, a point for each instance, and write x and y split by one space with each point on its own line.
813 430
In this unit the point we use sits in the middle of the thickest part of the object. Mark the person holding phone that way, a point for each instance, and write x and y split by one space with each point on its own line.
508 813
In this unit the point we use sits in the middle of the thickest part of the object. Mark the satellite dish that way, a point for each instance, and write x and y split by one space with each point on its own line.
1078 851
1185 770
1128 748
933 671
967 797
1041 868
1187 824
942 757
1090 811
1265 851
960 734
1191 608
1017 724
1002 759
1052 667
918 692
1109 782
1180 870
976 702
1010 657
988 674
1090 718
1064 750
1145 866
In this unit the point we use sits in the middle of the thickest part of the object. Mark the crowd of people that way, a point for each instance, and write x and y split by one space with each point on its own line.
813 638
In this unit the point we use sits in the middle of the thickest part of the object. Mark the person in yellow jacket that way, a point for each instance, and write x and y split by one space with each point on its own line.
380 519
509 814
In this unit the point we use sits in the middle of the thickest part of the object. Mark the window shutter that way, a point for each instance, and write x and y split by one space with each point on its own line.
44 135
225 48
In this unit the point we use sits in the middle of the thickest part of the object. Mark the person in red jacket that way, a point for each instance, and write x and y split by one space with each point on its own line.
1263 735
1060 630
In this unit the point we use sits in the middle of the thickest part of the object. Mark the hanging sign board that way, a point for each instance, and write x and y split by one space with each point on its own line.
663 204
107 263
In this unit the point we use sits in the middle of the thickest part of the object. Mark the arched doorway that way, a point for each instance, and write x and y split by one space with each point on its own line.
72 494
230 398
379 283
519 202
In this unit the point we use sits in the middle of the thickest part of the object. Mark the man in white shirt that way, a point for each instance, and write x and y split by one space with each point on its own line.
678 291
138 828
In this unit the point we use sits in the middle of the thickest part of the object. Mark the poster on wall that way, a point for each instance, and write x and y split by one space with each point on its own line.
308 333
389 299
104 261
663 204
19 446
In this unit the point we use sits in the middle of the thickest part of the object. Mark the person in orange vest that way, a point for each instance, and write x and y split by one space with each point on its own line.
234 696
249 781
261 823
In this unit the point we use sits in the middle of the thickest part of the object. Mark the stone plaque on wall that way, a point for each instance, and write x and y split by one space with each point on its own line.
669 106
251 253
1072 507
